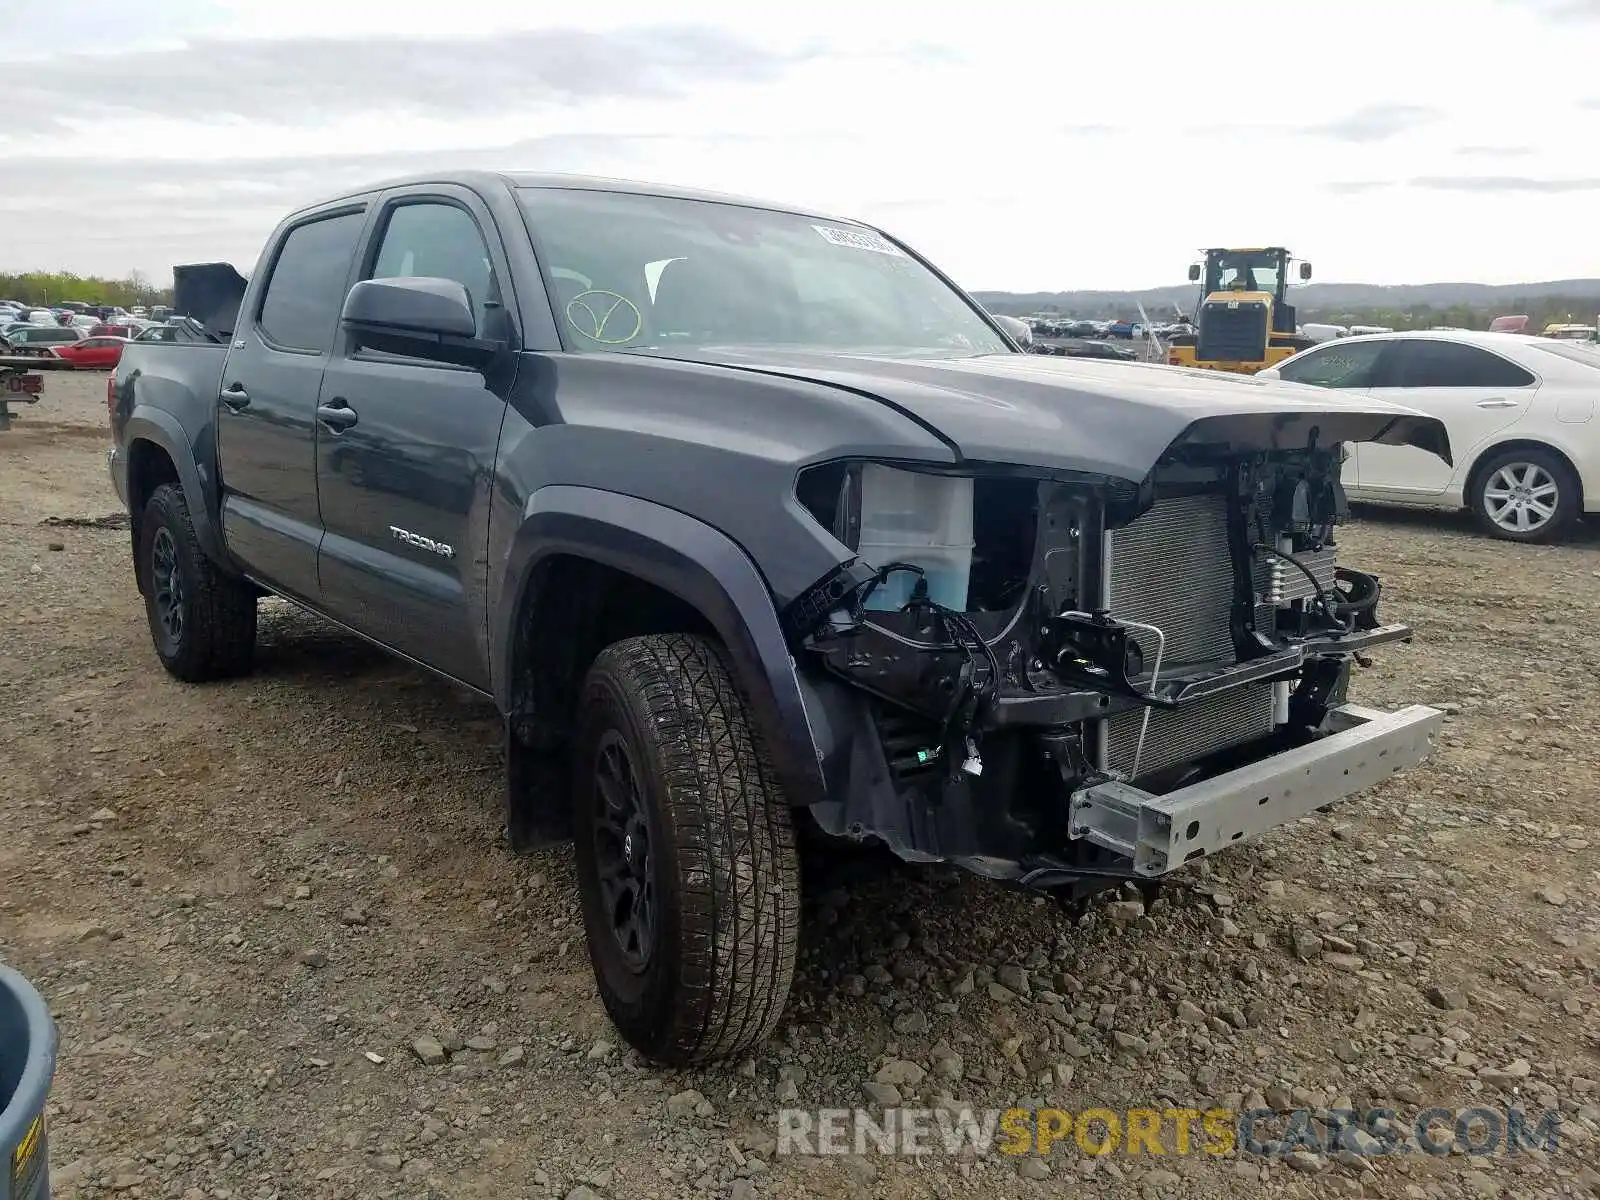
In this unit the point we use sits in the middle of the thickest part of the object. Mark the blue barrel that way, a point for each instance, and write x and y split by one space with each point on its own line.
27 1065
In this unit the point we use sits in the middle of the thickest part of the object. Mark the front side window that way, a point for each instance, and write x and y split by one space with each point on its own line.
438 240
656 273
1428 363
1337 365
306 290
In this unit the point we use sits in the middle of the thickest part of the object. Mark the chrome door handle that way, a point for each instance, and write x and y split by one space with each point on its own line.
1501 402
337 416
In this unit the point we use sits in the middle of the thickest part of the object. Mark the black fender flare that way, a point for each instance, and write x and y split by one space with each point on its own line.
696 563
161 428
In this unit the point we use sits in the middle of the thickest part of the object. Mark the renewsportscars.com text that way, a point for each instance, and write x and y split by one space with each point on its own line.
1263 1132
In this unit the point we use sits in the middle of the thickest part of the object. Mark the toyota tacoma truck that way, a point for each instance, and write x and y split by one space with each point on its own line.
751 522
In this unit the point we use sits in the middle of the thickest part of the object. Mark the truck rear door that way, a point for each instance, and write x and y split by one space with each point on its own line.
266 416
406 450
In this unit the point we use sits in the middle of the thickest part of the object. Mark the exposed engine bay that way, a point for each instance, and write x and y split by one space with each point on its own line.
1005 645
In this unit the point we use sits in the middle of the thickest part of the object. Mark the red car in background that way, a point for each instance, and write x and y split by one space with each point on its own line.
92 353
1510 324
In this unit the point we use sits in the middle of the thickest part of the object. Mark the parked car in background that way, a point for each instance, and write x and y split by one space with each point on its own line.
1090 349
1521 416
175 329
119 330
92 353
1519 323
42 335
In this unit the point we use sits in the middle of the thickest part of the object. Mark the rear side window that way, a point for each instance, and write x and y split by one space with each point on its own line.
1439 364
307 287
1339 365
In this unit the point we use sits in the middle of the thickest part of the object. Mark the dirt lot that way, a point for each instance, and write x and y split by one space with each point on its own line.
246 903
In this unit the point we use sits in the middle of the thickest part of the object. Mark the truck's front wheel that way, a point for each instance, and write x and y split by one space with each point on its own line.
686 858
202 621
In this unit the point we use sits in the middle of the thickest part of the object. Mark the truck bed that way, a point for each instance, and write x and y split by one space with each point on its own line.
178 379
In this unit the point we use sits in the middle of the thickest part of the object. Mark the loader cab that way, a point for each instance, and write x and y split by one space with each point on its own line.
1244 319
1229 272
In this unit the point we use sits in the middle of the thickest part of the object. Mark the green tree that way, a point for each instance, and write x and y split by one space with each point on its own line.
54 287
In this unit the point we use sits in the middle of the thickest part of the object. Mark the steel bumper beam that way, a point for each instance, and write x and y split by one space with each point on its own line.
1161 833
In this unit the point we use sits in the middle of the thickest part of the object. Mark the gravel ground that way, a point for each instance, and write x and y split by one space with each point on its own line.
290 955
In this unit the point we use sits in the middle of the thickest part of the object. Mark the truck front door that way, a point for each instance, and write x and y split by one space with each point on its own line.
406 451
266 444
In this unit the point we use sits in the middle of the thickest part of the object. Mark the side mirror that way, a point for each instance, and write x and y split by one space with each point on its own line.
1018 329
1305 271
1194 272
418 316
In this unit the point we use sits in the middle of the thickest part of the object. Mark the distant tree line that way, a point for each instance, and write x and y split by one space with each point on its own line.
1547 310
54 287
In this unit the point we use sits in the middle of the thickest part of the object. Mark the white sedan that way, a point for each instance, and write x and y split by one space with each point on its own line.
1520 412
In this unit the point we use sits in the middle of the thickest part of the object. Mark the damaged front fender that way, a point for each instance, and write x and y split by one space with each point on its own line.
694 562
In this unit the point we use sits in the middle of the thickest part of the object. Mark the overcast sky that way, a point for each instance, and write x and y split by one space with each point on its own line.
1021 146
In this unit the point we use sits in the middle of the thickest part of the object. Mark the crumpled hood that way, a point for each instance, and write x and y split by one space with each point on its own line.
1105 418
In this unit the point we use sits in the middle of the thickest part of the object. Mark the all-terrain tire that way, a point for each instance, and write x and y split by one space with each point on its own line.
208 630
720 866
1543 470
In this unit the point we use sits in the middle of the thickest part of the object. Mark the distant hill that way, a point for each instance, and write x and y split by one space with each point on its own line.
1313 298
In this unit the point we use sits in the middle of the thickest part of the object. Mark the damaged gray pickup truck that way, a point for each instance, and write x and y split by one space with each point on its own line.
746 517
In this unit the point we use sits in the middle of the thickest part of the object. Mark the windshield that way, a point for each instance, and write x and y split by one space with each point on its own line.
637 272
1244 270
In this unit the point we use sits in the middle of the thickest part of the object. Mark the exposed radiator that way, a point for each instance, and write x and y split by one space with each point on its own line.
1171 569
1278 582
1191 732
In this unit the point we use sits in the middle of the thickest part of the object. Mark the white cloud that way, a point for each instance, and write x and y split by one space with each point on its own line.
1035 148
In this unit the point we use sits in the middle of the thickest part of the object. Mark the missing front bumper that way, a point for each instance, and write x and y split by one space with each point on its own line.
1161 833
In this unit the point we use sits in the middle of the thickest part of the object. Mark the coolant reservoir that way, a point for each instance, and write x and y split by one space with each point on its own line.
924 520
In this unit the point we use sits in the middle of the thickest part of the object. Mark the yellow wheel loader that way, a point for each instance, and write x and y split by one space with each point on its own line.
1244 323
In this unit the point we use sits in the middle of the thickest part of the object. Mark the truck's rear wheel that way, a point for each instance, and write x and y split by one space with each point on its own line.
686 859
202 621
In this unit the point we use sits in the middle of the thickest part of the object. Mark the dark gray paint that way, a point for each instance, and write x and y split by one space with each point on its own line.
1102 418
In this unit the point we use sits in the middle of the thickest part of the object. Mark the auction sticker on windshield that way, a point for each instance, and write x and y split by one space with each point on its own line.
859 239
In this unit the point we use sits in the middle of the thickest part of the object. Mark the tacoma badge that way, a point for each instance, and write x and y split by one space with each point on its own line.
422 543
